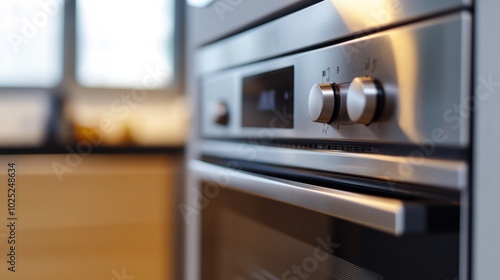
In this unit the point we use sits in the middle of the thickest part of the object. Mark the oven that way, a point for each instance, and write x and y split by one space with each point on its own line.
329 143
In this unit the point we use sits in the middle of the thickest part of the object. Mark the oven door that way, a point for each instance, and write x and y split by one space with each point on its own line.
253 226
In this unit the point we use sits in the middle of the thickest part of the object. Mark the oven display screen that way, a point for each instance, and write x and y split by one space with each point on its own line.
268 99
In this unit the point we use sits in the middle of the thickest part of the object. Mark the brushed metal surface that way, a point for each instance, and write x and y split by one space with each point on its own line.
433 172
389 215
485 190
424 69
320 23
223 17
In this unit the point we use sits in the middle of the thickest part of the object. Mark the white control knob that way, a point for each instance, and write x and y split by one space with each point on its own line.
363 98
321 103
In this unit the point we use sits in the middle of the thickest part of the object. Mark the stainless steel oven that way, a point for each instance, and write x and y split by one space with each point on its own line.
329 143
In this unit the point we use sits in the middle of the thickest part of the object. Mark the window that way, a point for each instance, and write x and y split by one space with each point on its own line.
31 43
119 42
122 42
87 49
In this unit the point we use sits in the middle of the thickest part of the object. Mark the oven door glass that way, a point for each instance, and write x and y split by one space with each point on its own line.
248 237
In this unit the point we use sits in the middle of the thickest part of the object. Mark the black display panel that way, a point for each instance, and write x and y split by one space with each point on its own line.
268 99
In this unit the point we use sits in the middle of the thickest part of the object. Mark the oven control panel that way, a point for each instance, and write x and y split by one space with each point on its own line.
363 101
397 86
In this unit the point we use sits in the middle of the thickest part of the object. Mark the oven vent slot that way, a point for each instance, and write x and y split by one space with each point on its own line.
323 146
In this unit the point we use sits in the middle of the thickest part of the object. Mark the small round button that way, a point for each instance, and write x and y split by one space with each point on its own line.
363 98
321 103
221 114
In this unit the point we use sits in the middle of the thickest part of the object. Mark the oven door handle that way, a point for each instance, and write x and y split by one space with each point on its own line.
390 215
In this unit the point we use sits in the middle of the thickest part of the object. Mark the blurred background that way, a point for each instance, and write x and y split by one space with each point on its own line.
74 65
93 113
